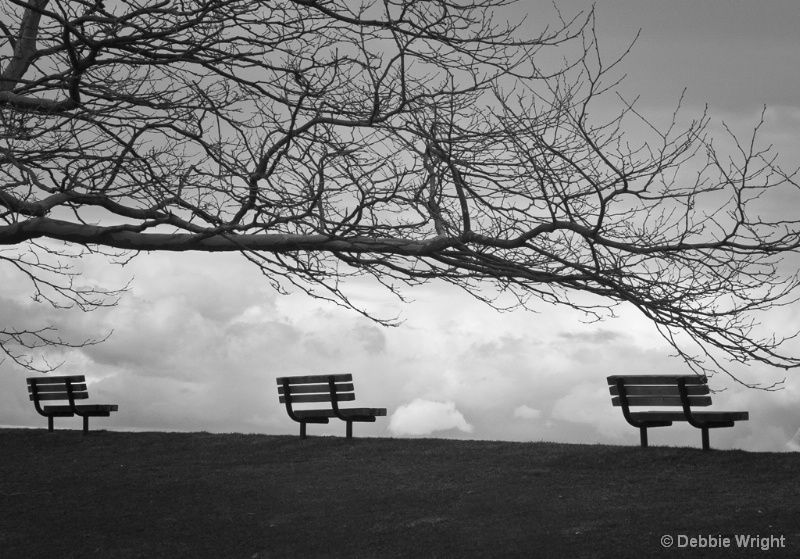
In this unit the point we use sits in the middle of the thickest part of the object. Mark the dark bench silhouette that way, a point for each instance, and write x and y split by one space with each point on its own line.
323 388
685 391
43 389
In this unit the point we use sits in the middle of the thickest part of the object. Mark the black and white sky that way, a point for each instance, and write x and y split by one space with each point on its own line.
198 340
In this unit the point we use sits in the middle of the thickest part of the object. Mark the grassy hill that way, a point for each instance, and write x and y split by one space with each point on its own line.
198 495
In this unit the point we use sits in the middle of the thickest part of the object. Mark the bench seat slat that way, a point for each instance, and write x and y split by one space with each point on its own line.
710 416
355 412
99 409
62 411
310 398
315 379
363 411
58 411
314 388
694 390
656 379
662 401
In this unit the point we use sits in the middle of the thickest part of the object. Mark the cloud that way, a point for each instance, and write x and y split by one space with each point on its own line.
526 412
371 337
794 444
600 336
423 417
588 403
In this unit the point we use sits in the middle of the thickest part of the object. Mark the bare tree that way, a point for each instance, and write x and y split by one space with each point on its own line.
407 140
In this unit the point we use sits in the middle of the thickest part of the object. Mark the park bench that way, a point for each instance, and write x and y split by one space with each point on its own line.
323 388
65 388
685 391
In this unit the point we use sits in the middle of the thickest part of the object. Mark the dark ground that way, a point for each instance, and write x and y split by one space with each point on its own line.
197 495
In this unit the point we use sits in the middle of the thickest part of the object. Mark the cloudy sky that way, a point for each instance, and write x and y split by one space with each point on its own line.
199 339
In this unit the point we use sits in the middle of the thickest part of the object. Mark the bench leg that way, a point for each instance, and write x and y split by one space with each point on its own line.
50 424
302 429
706 446
643 436
85 424
349 429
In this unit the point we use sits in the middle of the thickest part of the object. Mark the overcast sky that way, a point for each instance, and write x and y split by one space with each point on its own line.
199 339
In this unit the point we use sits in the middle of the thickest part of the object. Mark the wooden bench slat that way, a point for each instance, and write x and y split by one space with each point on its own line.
58 396
310 398
315 379
653 390
97 408
345 412
56 380
722 415
60 387
314 388
364 411
656 379
84 408
657 415
662 401
716 416
314 413
59 411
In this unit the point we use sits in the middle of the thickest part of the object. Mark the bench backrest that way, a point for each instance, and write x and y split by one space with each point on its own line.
57 388
658 390
315 388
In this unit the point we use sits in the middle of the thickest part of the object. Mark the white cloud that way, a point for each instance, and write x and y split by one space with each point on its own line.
589 403
794 443
526 412
423 417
